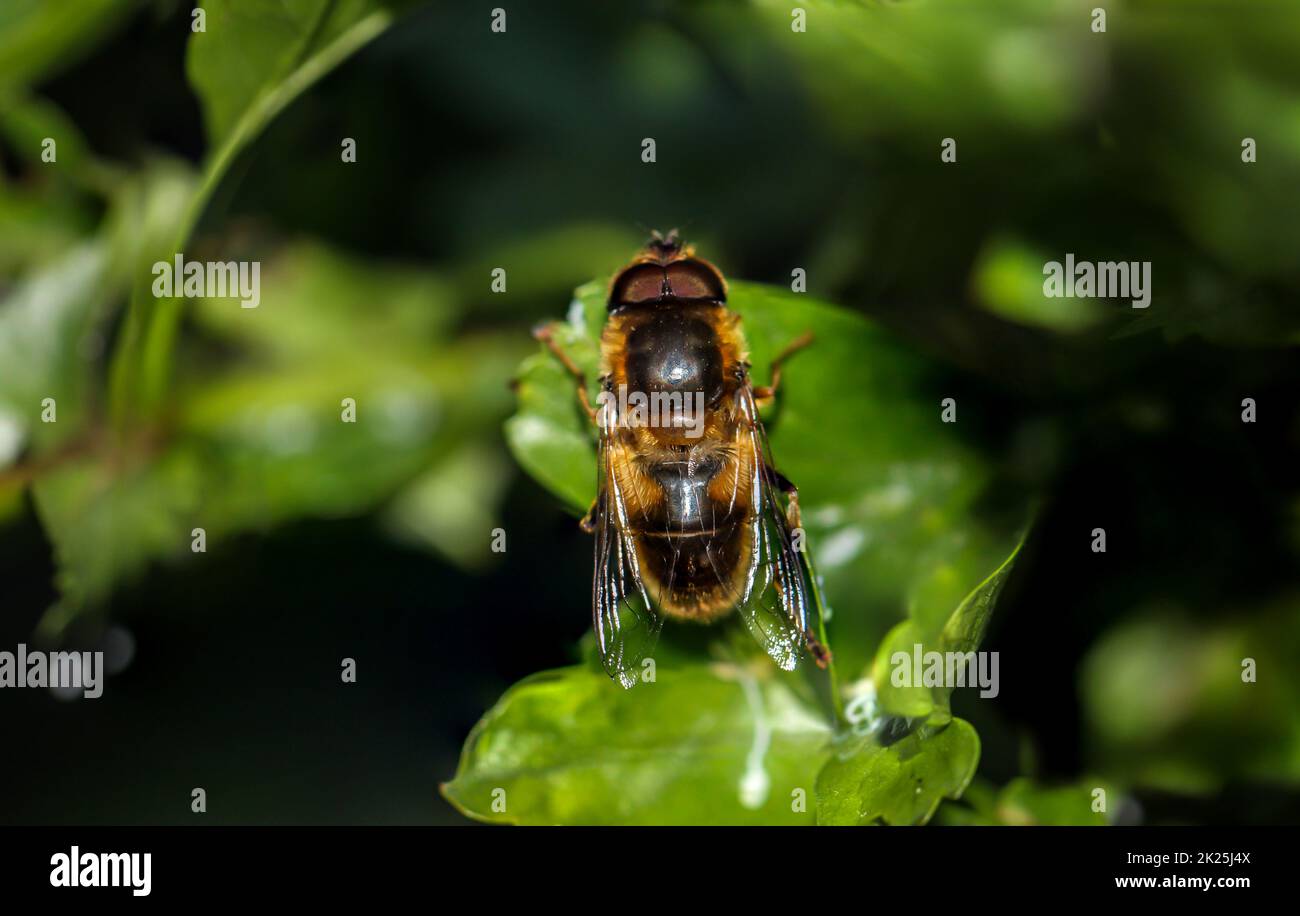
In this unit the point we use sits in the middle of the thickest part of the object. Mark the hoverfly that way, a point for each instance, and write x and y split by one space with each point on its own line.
687 518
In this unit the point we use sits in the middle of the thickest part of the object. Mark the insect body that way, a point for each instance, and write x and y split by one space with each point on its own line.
687 517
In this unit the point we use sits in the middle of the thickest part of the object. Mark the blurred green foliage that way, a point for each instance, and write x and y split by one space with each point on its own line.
246 433
1023 803
39 36
1165 703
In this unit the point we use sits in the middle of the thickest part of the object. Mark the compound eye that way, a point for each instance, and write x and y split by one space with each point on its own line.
643 283
695 280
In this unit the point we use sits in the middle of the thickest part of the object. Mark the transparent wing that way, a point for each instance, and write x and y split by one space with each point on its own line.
775 598
626 623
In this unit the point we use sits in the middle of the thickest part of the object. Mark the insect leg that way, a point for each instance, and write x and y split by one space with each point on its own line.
588 522
765 393
544 334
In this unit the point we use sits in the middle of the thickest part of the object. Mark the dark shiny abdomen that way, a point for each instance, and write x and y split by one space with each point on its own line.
686 505
693 545
696 573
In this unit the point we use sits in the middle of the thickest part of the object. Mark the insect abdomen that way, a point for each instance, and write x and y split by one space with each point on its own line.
693 547
694 576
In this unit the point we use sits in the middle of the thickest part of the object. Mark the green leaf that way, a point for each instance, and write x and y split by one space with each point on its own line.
962 632
702 744
258 439
547 436
54 319
900 783
37 37
45 327
253 59
910 700
37 224
253 51
107 521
